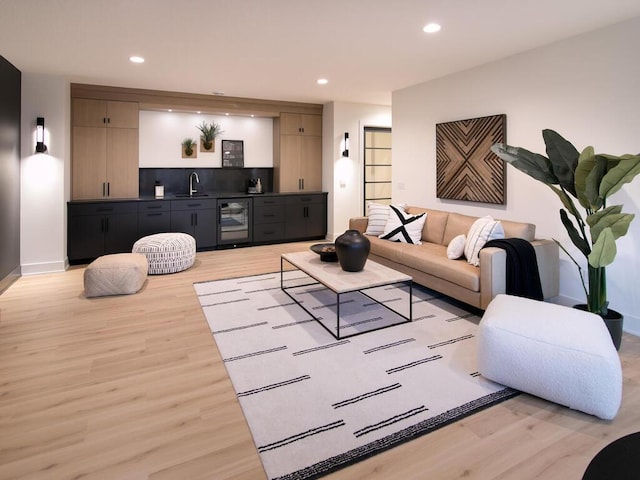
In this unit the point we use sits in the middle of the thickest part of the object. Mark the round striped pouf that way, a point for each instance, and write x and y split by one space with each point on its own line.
167 252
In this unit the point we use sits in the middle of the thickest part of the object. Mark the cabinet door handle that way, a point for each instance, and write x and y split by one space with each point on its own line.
104 189
108 189
108 120
104 119
302 179
154 214
150 207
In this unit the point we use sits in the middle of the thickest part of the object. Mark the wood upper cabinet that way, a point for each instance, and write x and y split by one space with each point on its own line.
102 113
104 149
300 124
297 153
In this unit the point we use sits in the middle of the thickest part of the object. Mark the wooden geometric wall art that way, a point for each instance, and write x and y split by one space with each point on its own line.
466 168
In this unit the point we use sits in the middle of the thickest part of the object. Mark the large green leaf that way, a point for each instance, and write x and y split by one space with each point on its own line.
618 223
594 218
564 158
533 164
586 162
604 250
625 170
567 202
593 181
574 235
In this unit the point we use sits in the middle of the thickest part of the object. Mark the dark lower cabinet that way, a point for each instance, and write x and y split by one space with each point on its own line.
95 229
268 219
305 216
198 218
103 227
154 217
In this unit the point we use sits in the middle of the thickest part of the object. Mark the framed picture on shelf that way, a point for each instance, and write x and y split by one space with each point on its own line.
232 153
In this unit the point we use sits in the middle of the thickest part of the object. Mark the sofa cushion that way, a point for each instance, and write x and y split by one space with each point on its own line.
403 227
434 225
430 258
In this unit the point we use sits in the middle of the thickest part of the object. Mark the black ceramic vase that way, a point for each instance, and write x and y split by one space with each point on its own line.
352 248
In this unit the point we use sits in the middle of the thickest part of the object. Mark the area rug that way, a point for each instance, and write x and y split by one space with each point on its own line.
315 404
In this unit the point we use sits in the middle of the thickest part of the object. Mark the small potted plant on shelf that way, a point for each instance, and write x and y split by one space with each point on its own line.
209 133
589 178
188 148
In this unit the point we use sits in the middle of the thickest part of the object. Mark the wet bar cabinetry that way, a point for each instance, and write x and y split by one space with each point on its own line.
104 149
197 217
100 227
297 156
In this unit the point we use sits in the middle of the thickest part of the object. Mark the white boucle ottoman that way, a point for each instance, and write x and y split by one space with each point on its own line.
117 274
167 252
555 352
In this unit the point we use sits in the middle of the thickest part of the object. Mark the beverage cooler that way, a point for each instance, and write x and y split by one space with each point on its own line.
234 221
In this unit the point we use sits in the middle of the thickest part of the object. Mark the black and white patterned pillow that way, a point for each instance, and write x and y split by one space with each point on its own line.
403 227
378 214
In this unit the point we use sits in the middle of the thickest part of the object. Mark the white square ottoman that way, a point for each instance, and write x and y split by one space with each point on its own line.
117 274
555 352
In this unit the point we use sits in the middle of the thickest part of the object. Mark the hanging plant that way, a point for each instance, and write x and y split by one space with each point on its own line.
209 133
188 147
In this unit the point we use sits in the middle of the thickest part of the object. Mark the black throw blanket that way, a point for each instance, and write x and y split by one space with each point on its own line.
523 277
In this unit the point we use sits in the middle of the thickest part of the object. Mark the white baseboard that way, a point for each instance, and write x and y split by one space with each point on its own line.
46 267
631 323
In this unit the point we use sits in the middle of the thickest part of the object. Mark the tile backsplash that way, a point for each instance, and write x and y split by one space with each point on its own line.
212 180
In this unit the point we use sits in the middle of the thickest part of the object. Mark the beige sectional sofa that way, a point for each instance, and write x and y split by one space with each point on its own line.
429 265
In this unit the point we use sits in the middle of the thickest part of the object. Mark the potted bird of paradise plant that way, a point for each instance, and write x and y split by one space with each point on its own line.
590 179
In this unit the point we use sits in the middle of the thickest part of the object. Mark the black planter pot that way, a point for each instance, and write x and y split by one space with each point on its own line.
352 249
613 321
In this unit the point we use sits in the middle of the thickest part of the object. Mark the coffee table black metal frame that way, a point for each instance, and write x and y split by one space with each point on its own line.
309 264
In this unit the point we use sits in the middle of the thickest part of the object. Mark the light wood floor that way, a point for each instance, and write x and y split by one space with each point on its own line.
132 387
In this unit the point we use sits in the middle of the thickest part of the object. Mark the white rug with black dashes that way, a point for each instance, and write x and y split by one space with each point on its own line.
315 404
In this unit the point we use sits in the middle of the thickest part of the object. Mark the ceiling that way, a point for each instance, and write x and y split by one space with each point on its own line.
277 49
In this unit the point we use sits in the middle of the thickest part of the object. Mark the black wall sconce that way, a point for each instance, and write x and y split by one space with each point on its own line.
345 152
40 146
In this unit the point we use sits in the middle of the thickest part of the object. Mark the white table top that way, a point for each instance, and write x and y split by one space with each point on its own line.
332 276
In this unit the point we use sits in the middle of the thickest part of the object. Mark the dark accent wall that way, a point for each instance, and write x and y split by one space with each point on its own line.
10 94
212 180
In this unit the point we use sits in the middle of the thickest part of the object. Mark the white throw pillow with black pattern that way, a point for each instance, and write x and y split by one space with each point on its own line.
482 230
378 214
403 227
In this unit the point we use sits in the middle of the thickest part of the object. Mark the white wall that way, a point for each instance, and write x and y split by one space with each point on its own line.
45 178
162 133
586 88
343 177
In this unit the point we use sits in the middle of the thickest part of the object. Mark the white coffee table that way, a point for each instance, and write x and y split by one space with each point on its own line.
340 283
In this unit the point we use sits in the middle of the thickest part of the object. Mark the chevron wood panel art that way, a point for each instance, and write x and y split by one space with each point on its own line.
466 168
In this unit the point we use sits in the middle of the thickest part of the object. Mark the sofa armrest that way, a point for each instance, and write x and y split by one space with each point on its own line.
493 270
359 223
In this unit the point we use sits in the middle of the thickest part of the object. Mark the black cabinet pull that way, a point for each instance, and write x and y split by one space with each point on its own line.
267 215
193 204
104 209
154 206
104 189
108 189
154 214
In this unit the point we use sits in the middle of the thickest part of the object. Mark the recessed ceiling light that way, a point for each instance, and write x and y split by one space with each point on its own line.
322 81
198 112
136 59
431 28
227 114
170 110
